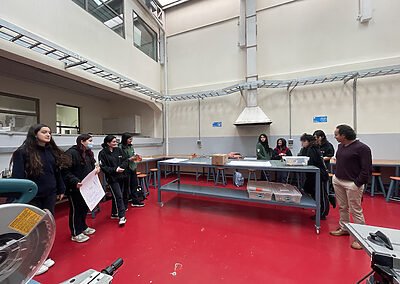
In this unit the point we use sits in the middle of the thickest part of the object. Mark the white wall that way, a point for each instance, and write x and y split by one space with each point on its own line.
68 25
300 39
92 109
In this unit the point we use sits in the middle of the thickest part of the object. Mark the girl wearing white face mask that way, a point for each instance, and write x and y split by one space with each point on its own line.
83 163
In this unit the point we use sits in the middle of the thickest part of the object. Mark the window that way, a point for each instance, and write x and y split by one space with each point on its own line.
109 12
67 119
144 37
17 113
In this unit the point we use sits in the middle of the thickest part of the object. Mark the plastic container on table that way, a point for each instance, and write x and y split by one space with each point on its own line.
296 160
287 193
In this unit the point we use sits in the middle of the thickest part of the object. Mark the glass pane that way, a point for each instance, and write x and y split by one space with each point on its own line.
64 130
68 116
17 104
111 13
144 37
80 3
16 122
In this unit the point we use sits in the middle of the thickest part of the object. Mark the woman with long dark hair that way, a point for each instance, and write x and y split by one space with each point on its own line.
311 150
326 148
40 160
264 152
280 151
82 164
114 163
131 181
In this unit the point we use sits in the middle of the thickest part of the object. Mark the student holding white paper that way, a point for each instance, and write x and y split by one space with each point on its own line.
83 163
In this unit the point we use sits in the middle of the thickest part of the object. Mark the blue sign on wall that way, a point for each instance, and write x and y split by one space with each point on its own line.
320 119
217 124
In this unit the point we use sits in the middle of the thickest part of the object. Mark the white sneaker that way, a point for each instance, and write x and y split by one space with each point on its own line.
122 221
42 270
49 263
81 238
89 231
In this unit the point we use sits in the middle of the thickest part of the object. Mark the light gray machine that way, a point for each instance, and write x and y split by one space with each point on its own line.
27 235
383 245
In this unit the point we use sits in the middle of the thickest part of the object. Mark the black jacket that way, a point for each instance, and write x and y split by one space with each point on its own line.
79 168
327 150
316 160
110 161
49 181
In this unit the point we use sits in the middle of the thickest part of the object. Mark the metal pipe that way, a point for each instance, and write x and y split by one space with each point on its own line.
355 103
199 104
166 121
290 113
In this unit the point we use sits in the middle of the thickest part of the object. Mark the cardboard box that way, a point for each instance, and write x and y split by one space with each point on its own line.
219 159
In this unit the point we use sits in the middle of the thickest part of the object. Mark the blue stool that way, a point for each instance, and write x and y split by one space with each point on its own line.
393 181
220 172
153 177
377 177
211 174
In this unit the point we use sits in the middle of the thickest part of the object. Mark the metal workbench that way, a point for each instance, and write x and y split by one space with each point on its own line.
239 195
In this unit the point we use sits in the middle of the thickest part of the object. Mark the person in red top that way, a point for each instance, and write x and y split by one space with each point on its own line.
353 169
279 152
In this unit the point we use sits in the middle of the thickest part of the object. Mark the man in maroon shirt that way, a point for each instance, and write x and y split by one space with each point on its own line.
353 169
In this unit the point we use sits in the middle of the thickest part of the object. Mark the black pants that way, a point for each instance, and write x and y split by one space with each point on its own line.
282 177
77 213
45 202
265 175
309 187
118 207
132 185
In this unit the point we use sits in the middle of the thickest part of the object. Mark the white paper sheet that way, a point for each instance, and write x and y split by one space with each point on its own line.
174 160
91 190
250 163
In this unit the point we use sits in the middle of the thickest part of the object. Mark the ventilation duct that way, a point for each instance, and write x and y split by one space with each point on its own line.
252 114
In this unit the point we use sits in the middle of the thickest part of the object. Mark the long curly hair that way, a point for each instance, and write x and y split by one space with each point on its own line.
34 164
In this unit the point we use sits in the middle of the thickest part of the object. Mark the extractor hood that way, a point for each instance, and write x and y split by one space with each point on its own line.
252 116
252 113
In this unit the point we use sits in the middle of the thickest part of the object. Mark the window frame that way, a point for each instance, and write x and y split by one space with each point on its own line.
86 8
35 100
60 127
149 29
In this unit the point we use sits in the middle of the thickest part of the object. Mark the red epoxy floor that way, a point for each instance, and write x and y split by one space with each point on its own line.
216 242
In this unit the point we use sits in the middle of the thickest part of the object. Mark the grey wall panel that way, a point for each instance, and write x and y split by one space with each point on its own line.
383 146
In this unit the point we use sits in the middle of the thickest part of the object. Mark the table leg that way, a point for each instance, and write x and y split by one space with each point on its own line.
318 202
159 182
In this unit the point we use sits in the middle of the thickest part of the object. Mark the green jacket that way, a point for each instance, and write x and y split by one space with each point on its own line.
129 152
262 154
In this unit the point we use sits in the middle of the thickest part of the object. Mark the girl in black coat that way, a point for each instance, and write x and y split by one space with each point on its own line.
311 150
40 160
113 163
83 163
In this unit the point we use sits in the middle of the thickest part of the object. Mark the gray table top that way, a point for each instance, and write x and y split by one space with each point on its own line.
238 164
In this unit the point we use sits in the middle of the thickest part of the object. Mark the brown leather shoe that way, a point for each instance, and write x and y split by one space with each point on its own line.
356 245
339 232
